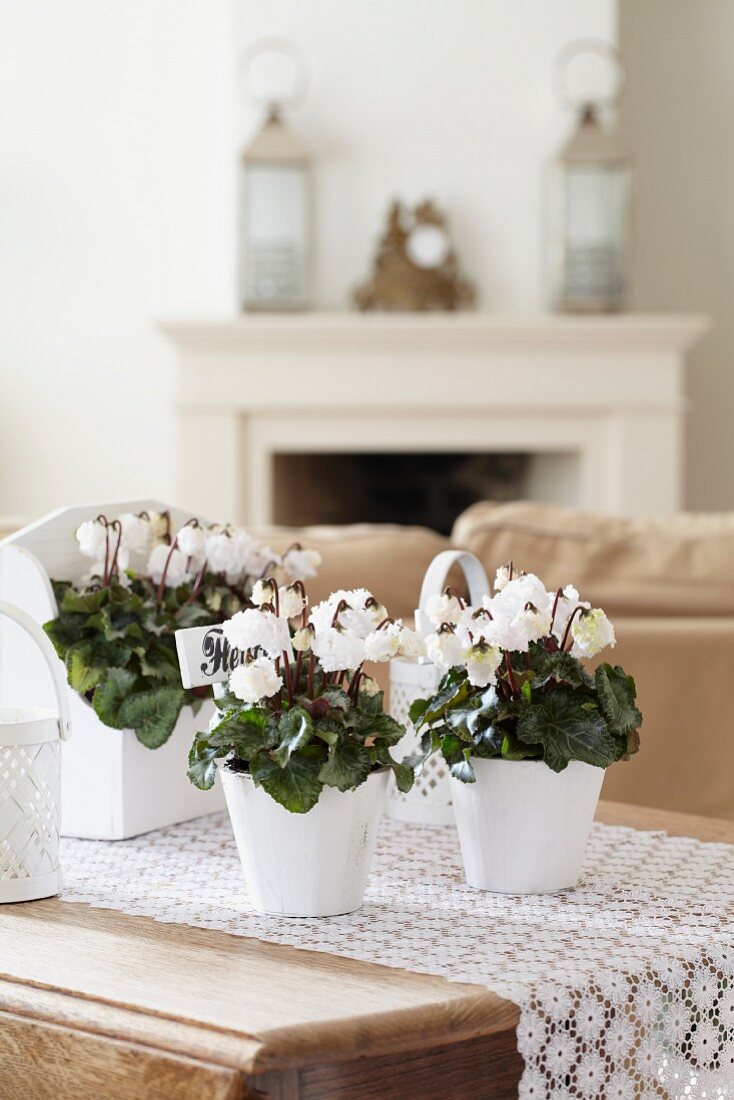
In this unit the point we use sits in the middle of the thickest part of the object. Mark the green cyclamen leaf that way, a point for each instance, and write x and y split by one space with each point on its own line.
617 694
296 786
202 770
295 730
153 714
348 765
110 694
88 603
65 632
84 669
380 726
559 667
417 709
244 731
404 776
567 730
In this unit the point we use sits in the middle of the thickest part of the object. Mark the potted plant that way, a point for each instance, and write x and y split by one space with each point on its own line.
112 582
525 728
303 742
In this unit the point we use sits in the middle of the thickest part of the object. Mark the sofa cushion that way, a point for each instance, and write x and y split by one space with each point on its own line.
679 565
388 559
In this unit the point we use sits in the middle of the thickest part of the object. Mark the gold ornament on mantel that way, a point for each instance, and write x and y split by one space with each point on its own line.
415 267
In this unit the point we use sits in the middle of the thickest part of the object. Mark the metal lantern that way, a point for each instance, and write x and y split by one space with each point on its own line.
275 212
589 225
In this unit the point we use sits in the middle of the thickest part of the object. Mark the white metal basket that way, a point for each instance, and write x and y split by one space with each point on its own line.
429 801
30 783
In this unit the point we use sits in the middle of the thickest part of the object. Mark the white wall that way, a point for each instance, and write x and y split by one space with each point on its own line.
449 98
678 122
117 153
115 149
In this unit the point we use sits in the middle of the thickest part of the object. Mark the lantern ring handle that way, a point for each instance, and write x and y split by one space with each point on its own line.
297 59
589 46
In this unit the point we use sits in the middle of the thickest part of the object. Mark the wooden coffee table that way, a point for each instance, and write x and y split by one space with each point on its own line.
95 1005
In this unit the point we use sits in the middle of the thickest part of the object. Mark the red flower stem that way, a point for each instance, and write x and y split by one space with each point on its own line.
299 664
567 631
510 674
311 662
198 581
164 574
113 566
288 680
451 591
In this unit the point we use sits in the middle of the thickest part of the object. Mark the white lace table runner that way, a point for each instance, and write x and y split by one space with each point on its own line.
626 984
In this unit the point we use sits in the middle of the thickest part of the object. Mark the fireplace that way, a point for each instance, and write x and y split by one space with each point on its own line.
335 417
425 489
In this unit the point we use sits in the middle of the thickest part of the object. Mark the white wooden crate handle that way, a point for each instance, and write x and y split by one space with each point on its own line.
436 576
31 627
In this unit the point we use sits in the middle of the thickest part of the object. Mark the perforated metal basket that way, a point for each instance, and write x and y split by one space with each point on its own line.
30 783
429 802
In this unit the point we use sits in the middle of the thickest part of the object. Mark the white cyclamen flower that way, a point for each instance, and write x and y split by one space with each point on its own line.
137 532
253 629
338 650
482 662
369 686
223 552
159 526
523 589
264 592
445 649
412 645
91 537
383 644
517 632
357 615
291 602
256 560
300 564
255 681
443 609
591 632
173 562
191 541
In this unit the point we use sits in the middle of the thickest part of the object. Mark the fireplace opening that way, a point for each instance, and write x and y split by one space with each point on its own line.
430 490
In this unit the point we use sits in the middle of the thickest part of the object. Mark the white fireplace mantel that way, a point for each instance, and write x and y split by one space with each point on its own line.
608 391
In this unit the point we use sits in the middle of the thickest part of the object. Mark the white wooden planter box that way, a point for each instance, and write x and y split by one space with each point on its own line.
112 787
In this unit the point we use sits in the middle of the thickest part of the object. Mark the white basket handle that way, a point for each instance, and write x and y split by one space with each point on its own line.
437 573
49 654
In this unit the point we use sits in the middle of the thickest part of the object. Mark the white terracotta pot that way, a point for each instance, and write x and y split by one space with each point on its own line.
305 865
522 827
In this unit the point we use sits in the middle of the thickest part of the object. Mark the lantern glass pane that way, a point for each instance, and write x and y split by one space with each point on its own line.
275 235
595 230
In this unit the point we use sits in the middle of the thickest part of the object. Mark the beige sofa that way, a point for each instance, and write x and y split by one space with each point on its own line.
667 584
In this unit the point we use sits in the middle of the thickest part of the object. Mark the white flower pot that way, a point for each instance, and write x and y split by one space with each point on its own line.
305 865
522 827
113 787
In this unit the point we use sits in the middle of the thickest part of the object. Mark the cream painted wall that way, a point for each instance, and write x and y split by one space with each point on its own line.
116 128
118 135
431 97
678 122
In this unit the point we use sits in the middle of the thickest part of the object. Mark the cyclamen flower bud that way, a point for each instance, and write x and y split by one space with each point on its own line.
191 540
291 602
264 592
302 639
369 687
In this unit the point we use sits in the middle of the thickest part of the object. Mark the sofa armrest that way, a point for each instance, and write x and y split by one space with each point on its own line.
683 669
